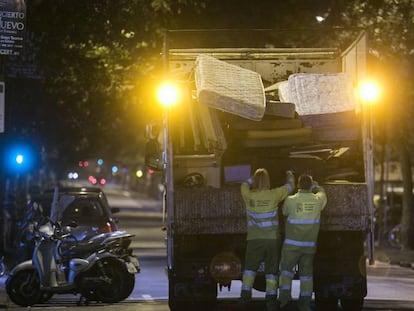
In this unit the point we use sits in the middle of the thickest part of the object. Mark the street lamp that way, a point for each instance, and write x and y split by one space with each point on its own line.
369 93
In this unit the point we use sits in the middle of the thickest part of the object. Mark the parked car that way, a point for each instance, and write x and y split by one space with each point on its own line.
83 210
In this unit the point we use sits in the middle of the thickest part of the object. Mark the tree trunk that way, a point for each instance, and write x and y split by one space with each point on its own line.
407 221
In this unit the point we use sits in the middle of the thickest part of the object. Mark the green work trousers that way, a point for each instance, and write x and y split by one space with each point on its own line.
289 259
268 252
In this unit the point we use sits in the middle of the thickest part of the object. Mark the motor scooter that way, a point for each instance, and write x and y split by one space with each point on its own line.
101 268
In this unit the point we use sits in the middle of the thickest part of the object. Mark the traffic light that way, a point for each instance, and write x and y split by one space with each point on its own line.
19 159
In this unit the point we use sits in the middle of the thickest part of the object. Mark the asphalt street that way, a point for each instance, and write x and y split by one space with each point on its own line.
390 286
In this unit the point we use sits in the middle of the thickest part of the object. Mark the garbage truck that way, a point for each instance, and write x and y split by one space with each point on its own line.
261 99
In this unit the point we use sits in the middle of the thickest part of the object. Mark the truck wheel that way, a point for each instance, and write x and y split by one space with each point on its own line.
352 304
179 295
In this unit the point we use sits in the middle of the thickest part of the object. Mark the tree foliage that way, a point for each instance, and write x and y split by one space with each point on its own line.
392 44
100 60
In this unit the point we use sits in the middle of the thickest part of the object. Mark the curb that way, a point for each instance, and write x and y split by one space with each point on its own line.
406 264
400 263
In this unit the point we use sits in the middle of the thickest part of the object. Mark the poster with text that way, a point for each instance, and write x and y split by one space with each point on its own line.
12 26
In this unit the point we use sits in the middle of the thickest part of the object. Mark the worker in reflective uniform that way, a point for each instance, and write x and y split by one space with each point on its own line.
303 211
263 236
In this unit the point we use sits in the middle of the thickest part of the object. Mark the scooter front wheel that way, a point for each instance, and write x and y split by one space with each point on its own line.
23 288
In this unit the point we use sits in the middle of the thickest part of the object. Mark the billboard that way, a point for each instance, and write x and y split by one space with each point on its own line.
12 26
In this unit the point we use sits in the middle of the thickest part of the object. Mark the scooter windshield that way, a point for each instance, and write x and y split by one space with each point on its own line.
59 206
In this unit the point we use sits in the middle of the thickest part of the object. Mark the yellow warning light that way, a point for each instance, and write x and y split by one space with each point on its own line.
168 94
369 92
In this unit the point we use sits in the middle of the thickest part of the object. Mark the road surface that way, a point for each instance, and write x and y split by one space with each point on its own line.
389 287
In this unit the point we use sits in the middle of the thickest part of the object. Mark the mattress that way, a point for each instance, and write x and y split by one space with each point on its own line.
337 126
336 119
229 88
258 139
283 91
327 134
267 123
321 93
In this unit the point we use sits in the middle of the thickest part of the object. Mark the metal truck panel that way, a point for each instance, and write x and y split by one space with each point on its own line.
273 65
347 207
209 210
206 165
222 211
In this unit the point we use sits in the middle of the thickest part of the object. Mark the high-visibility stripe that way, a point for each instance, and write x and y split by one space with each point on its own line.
285 287
299 243
263 224
288 274
249 272
248 279
306 278
270 277
305 294
272 292
303 221
261 215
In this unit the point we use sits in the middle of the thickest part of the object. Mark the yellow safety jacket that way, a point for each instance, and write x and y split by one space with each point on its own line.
303 211
262 209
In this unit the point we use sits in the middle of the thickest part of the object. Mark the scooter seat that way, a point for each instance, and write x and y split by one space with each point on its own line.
79 248
71 249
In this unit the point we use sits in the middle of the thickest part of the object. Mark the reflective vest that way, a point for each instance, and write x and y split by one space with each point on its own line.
303 211
261 211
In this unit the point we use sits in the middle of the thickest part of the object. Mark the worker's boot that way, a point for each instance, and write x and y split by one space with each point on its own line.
290 306
245 298
271 303
304 303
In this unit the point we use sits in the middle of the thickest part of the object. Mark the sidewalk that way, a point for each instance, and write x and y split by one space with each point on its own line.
393 256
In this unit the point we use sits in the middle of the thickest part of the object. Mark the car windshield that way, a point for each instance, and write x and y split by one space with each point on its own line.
83 212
